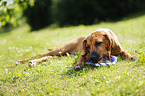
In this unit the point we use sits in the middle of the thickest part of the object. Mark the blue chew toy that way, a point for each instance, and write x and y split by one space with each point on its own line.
109 62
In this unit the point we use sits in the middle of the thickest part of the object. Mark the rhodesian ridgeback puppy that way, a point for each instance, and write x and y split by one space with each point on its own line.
98 45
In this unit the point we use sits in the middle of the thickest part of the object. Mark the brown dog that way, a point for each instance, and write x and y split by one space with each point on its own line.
100 44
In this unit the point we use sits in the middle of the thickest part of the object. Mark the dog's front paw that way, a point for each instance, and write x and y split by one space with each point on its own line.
133 59
32 63
77 68
18 63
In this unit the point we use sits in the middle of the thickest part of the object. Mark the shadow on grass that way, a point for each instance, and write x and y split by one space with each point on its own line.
87 68
6 29
72 72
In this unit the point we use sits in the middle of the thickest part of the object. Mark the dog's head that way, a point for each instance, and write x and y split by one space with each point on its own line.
97 46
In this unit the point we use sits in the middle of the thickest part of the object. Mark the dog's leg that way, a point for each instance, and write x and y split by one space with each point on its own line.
36 61
125 55
81 62
72 46
56 52
24 60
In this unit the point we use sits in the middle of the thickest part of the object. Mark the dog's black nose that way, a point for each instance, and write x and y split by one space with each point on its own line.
92 58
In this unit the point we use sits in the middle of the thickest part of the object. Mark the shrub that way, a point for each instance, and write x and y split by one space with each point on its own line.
89 11
39 15
10 12
74 12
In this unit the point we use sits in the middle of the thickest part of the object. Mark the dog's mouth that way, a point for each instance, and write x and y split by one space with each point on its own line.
101 60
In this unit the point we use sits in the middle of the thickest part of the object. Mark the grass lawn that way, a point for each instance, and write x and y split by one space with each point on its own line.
57 77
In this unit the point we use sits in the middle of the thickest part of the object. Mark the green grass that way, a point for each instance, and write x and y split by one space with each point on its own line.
57 77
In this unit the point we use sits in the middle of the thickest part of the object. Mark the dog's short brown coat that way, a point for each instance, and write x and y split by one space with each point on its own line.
102 42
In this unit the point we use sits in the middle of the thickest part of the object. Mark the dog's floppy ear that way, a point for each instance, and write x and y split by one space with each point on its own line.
85 47
109 46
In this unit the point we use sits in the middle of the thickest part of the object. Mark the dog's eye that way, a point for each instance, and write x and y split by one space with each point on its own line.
98 43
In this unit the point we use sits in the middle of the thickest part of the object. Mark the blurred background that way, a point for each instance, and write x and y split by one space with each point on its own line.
41 13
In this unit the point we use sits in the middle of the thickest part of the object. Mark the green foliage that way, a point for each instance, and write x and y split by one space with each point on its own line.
57 77
64 12
39 16
9 10
74 12
141 57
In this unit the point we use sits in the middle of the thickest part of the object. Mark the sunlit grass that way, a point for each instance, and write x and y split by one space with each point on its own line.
57 77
